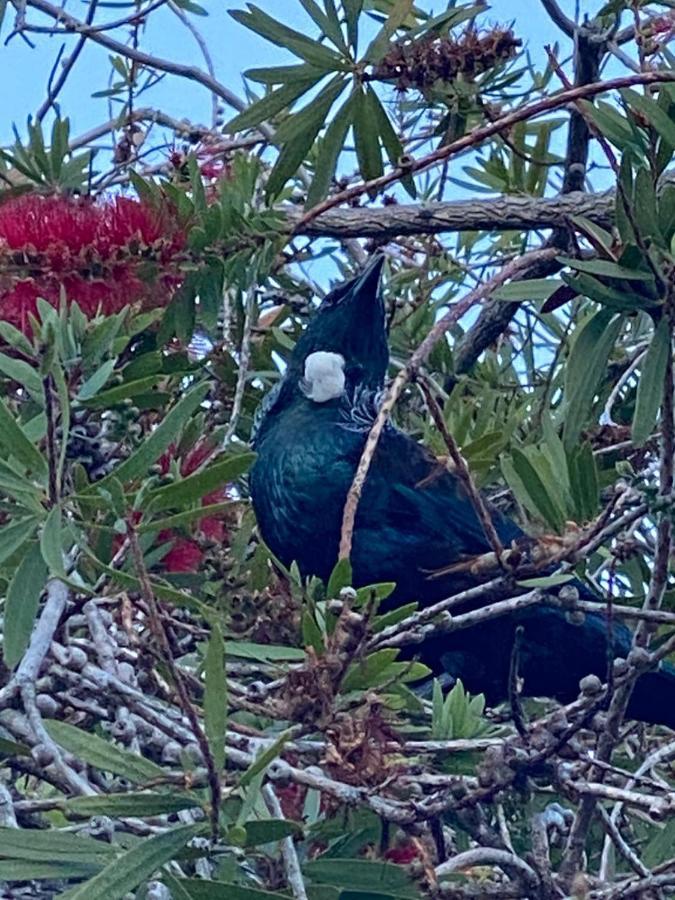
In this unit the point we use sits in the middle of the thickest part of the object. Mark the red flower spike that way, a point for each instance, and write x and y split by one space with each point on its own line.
93 250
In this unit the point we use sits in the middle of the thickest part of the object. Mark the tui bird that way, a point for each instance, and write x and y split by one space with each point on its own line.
413 519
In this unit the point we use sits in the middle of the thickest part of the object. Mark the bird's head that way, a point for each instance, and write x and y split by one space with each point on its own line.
345 344
349 325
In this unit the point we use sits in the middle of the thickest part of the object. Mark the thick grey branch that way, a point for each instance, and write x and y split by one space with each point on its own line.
503 213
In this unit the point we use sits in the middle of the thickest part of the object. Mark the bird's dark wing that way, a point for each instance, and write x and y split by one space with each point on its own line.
415 518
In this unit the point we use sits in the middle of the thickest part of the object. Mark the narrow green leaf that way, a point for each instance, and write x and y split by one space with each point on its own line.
328 22
263 759
366 139
125 873
101 754
371 876
390 140
185 518
284 74
528 289
650 386
585 367
17 444
95 382
398 13
159 440
646 208
265 831
656 116
15 338
51 543
21 605
297 134
268 107
194 487
340 577
198 889
20 870
331 146
584 482
140 803
352 9
542 498
605 268
23 373
52 846
215 696
289 39
14 535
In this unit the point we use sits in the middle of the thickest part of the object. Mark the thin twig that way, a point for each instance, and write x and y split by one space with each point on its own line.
409 371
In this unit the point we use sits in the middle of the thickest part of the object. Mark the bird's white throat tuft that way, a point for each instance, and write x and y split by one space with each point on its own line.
324 376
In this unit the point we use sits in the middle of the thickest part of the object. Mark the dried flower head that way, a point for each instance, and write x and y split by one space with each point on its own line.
423 63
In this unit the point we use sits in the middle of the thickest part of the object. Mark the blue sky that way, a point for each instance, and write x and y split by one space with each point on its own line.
234 48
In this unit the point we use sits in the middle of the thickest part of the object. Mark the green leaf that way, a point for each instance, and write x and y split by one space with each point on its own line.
527 289
24 374
542 498
140 803
284 74
340 577
390 141
289 39
650 386
101 754
657 117
329 151
51 543
9 749
126 872
198 889
398 13
52 846
185 518
14 535
95 382
268 107
17 444
263 759
297 134
605 268
584 483
159 440
547 581
366 139
18 870
328 22
215 696
268 830
122 392
264 652
586 365
646 207
196 486
21 605
352 10
371 876
15 338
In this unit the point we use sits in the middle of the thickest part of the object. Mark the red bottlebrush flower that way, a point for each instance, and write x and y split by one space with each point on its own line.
92 250
403 853
185 554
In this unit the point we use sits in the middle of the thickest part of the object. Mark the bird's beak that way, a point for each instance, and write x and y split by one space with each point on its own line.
367 284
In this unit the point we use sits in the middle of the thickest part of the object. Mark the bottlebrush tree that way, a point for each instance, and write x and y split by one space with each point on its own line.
180 715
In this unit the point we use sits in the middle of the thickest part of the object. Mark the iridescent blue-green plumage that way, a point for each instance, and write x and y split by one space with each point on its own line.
413 519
